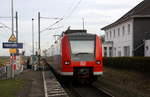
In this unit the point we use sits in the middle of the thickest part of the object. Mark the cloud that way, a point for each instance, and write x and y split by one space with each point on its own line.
114 2
97 14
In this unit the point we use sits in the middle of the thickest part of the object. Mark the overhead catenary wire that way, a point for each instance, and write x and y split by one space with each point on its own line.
65 17
51 25
50 18
4 34
55 28
72 11
2 17
5 26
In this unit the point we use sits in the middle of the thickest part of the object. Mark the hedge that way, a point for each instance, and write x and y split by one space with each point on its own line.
141 64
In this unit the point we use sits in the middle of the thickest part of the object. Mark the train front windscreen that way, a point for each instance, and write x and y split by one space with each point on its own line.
82 50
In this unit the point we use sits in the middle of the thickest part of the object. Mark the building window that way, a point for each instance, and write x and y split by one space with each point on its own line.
129 28
114 33
106 35
110 51
118 31
114 51
147 48
123 30
126 50
119 53
105 51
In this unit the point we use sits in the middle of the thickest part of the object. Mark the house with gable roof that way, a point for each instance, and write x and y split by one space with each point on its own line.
129 35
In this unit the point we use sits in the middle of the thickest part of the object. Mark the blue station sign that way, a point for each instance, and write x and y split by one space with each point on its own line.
12 45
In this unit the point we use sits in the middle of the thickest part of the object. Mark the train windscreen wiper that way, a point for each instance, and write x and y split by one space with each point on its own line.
82 53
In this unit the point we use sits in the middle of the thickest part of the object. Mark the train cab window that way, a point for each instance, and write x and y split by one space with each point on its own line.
82 50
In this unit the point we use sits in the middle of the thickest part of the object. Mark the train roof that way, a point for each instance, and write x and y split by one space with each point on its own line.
70 31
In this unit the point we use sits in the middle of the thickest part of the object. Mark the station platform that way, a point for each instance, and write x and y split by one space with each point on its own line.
52 87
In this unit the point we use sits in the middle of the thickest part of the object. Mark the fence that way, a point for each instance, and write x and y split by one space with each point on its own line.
3 73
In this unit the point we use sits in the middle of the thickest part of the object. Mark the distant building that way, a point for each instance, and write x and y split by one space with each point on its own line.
126 36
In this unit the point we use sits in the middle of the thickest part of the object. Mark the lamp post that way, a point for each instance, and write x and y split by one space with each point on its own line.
12 15
39 33
32 36
39 39
83 22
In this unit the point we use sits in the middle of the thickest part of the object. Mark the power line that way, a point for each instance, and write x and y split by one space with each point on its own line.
67 16
2 17
74 8
51 25
50 18
5 17
55 28
5 26
70 7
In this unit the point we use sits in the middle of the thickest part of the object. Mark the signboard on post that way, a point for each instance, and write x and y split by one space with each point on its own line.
12 38
12 51
12 45
13 48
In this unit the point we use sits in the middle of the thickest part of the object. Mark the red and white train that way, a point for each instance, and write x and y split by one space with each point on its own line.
77 54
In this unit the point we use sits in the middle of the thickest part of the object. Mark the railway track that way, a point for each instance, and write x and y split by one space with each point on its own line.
85 91
79 90
52 87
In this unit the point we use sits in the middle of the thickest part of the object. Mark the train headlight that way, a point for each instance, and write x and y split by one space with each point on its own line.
67 62
98 62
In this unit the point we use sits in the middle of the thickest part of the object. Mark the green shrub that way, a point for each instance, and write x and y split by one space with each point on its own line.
141 64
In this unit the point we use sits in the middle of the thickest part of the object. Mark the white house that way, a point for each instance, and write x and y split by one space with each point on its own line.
126 36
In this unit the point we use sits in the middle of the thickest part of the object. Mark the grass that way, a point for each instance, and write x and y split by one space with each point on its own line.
132 80
10 88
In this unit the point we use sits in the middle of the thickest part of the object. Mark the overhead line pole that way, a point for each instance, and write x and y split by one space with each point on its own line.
17 27
39 34
83 22
12 14
39 40
32 36
17 31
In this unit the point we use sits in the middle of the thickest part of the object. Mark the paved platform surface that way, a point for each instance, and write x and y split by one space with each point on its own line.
34 86
52 86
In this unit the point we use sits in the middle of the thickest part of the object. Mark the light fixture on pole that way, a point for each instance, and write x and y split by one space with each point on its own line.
12 15
32 36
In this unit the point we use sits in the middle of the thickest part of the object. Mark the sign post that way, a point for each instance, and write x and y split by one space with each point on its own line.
12 46
12 65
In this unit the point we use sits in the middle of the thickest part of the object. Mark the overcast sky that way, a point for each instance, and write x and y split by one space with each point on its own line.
96 13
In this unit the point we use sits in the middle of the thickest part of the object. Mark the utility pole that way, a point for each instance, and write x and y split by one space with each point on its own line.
12 15
83 23
32 36
17 27
39 47
39 34
17 31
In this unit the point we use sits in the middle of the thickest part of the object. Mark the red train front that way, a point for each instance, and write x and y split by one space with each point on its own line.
77 54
